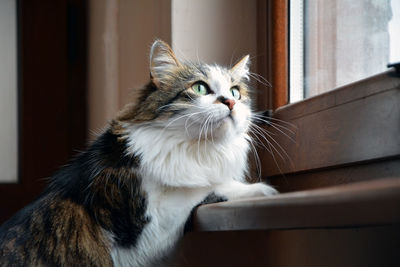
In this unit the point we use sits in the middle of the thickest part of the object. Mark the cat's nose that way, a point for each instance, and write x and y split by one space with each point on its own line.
229 102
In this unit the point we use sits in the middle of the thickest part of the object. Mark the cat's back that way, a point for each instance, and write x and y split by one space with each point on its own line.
52 232
13 236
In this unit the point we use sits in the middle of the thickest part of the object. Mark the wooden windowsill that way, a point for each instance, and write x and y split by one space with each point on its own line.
351 125
359 204
375 84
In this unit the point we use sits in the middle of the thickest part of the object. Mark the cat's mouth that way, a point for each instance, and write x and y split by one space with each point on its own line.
228 118
231 117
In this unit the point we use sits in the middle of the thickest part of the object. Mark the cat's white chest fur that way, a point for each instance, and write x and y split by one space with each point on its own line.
176 176
168 210
168 158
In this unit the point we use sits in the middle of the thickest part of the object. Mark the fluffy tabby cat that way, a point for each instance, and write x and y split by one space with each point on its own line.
125 201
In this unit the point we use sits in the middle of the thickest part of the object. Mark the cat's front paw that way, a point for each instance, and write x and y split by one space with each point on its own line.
261 189
238 190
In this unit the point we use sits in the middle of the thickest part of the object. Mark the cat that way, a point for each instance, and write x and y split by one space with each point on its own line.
125 200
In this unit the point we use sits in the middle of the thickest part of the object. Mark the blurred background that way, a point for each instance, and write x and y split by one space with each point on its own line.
67 66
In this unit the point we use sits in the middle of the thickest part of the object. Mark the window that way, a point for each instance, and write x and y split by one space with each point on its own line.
343 135
334 43
8 91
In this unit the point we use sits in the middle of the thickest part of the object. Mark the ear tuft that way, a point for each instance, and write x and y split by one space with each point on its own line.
241 69
162 61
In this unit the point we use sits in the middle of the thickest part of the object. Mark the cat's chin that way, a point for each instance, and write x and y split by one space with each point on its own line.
226 129
226 123
220 131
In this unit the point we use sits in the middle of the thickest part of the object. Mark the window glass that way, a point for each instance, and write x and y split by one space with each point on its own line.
8 91
341 41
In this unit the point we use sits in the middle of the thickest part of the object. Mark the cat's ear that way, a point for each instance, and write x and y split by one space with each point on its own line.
241 68
163 62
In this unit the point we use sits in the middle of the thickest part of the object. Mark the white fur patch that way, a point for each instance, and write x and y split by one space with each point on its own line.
168 158
168 209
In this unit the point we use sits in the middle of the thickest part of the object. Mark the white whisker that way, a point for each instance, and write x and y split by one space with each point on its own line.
268 142
276 126
274 119
270 123
257 159
279 146
260 77
270 150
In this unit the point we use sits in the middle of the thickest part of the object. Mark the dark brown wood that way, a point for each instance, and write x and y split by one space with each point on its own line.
357 204
278 53
356 123
264 90
315 179
349 93
52 84
354 247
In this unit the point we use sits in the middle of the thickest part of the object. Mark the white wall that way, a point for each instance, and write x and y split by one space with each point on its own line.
8 92
394 32
120 35
215 30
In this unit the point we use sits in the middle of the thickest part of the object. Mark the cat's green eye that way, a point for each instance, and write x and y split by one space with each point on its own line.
235 93
200 88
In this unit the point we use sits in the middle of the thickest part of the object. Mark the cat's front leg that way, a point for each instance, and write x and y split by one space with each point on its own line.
237 190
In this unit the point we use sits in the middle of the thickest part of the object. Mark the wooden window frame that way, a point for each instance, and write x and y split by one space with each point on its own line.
51 95
334 145
272 38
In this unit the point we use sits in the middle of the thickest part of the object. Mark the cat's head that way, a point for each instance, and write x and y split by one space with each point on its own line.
196 100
